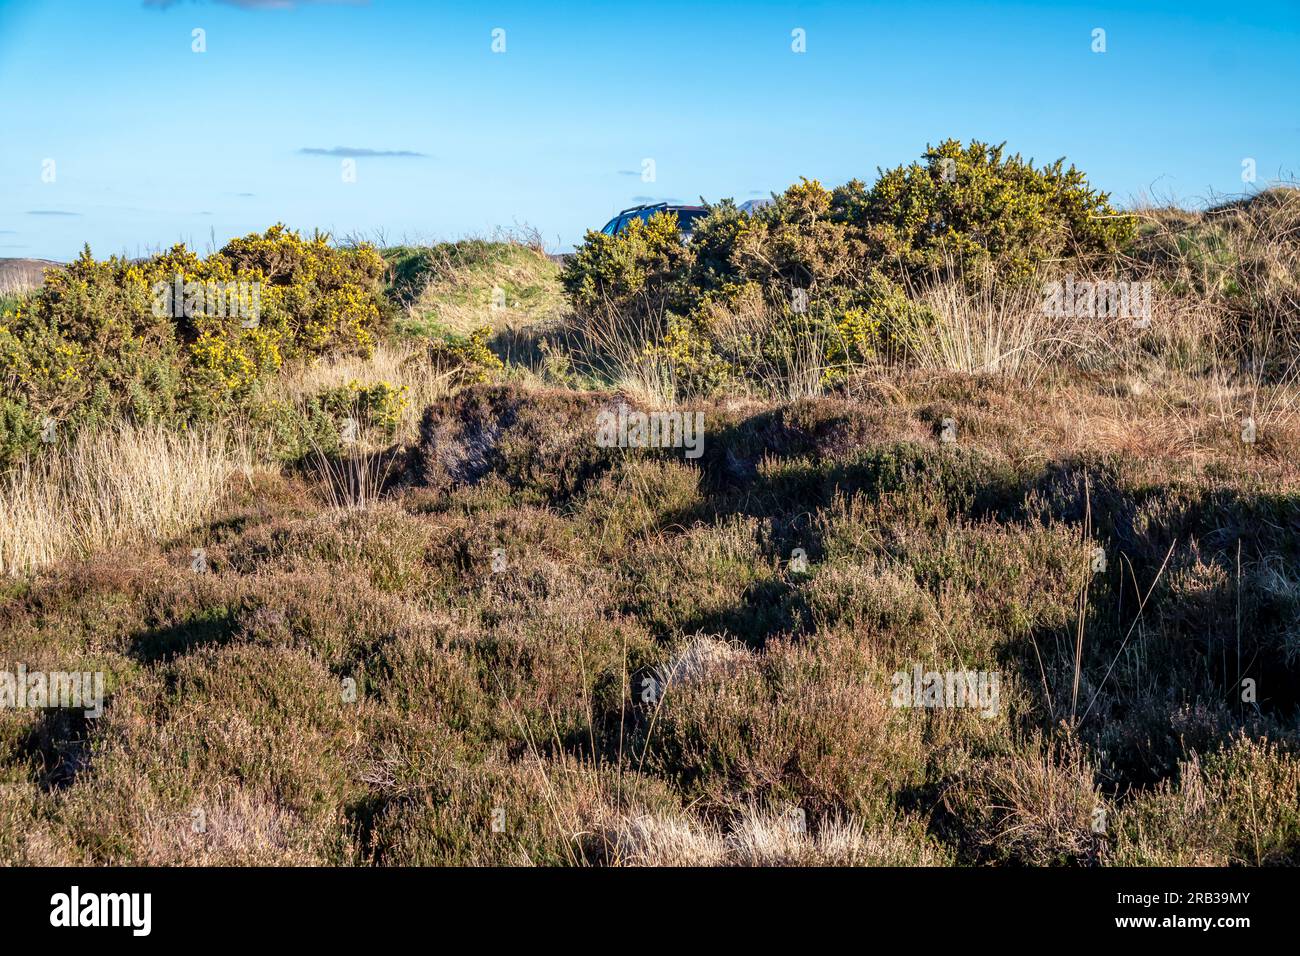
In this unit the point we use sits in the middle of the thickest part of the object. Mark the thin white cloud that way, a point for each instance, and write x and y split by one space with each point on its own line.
358 151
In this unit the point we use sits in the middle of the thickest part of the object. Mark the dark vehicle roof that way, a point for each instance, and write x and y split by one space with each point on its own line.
659 205
688 214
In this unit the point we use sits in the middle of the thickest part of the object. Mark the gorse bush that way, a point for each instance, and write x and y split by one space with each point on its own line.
976 205
799 242
176 338
465 360
642 268
814 284
749 298
330 419
19 429
377 406
687 357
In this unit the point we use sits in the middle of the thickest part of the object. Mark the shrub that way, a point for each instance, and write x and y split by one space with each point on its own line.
975 205
19 430
800 293
323 422
1032 807
688 359
87 344
378 406
714 239
641 269
1237 806
467 361
796 243
101 339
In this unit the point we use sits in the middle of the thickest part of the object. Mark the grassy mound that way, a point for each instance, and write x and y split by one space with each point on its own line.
457 287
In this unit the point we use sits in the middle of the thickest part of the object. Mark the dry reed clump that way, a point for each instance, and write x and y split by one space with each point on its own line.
20 276
1039 806
704 658
111 487
766 836
624 348
985 328
762 838
790 362
663 839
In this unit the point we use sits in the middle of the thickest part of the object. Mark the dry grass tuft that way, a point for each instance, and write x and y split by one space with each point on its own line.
704 658
664 839
766 837
989 329
233 829
1036 807
110 488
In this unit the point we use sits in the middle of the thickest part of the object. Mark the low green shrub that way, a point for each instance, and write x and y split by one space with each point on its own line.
466 360
331 418
176 338
977 206
808 288
642 269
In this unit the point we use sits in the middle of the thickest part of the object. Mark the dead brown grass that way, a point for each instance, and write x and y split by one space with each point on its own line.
113 487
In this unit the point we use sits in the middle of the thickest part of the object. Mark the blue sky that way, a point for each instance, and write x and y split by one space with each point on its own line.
153 143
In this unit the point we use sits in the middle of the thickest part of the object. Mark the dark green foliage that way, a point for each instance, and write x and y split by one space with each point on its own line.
817 278
976 207
97 341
